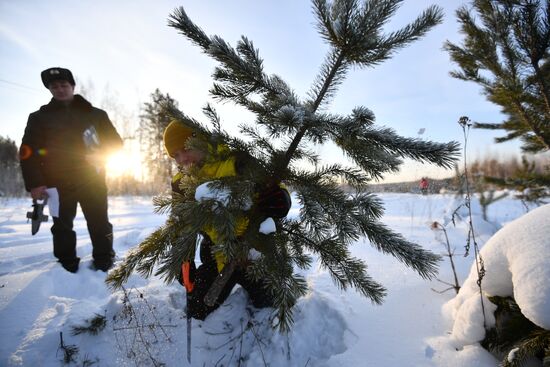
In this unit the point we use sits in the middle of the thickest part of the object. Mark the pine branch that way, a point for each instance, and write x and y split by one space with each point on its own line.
479 125
331 76
385 240
213 116
537 343
285 120
162 204
503 54
385 139
70 351
282 284
179 20
332 73
386 46
144 257
93 327
353 270
344 270
325 209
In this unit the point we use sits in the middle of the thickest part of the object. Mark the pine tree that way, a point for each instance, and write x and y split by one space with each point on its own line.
153 121
329 220
507 53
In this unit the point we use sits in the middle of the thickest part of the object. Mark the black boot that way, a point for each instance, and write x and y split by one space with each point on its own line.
70 265
103 265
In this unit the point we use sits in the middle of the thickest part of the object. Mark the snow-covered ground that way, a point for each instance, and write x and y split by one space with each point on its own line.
146 324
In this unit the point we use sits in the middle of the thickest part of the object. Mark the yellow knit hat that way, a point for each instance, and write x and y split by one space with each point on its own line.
175 137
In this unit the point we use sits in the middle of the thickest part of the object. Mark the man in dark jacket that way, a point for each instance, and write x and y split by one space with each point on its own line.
64 147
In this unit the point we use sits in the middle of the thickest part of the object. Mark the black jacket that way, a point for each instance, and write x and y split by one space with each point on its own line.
53 152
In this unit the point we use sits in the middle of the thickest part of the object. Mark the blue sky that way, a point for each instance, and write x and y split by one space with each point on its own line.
127 48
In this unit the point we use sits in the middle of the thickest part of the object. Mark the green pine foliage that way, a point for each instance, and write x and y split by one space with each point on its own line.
329 220
69 351
506 52
534 346
514 338
93 326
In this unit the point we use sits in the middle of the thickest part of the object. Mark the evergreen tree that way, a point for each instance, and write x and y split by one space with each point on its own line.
329 220
11 180
153 121
507 53
8 152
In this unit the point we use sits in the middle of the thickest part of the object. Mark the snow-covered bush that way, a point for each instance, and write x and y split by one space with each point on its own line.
517 264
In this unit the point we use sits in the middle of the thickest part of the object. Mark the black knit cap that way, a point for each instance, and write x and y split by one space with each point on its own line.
51 74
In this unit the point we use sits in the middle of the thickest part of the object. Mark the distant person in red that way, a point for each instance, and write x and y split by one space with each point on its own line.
64 147
424 185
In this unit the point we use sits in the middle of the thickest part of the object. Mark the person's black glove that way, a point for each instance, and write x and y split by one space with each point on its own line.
274 202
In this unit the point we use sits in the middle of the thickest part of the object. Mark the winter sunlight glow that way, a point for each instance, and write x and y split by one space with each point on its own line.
123 163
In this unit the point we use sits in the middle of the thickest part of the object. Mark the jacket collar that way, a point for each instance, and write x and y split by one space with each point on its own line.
78 102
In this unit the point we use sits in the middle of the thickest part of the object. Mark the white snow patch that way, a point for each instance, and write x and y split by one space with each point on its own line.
512 355
204 192
333 328
254 254
268 226
517 262
468 327
222 196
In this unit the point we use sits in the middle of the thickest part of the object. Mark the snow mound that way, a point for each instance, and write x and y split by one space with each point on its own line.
39 300
238 334
517 263
444 353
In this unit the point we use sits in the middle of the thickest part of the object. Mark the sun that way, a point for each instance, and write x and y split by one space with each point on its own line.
123 163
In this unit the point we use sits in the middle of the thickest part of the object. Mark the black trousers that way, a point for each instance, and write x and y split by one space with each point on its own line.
205 276
93 202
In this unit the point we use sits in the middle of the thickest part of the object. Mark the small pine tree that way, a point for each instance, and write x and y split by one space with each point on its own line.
506 52
330 220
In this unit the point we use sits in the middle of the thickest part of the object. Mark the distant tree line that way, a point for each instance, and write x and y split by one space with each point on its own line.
510 167
480 170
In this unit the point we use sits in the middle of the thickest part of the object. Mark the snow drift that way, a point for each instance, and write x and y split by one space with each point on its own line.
517 262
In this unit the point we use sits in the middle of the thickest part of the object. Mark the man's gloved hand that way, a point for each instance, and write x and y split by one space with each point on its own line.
274 202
